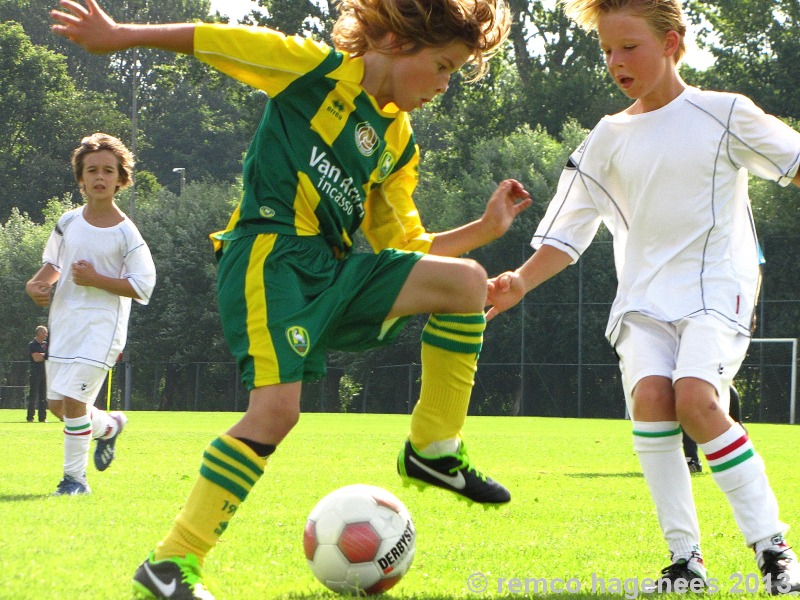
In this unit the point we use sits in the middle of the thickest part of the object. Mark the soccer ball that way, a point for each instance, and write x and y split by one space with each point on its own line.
359 539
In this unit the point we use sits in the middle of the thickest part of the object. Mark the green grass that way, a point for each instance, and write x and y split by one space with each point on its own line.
579 509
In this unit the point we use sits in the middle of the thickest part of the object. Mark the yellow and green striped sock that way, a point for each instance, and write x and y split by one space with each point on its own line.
450 348
228 472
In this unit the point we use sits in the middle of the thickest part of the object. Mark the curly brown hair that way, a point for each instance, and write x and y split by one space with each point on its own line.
661 15
482 25
102 141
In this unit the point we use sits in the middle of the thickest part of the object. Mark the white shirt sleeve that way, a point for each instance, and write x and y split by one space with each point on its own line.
572 219
53 249
762 143
139 268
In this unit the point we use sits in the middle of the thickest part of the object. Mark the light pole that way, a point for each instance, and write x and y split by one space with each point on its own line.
182 172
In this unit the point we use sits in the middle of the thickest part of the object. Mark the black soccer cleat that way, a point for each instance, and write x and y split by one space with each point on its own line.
105 451
453 472
681 577
178 578
780 569
72 486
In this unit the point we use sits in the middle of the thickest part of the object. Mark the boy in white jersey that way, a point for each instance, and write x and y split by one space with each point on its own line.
334 154
98 262
668 178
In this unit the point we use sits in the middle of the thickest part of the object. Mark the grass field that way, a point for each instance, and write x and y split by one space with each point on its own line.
580 510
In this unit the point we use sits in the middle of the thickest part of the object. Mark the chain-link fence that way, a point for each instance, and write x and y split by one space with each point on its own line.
564 367
765 383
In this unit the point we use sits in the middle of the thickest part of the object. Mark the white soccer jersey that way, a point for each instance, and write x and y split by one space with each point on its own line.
671 187
87 324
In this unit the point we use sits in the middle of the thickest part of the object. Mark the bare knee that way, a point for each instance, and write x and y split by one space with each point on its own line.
57 408
696 400
440 285
473 284
477 274
74 408
283 418
272 413
267 425
654 400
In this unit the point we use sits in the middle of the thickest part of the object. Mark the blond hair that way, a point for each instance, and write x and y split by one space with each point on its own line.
662 15
482 25
102 141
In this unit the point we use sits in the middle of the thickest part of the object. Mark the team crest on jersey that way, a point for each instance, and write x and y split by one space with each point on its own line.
266 212
366 138
298 339
386 165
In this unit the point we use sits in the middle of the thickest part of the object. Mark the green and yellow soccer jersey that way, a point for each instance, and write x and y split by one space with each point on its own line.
326 159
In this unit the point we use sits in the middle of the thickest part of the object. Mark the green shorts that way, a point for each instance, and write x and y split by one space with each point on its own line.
285 300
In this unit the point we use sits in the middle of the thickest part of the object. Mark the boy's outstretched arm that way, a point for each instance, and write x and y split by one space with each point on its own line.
508 200
90 27
507 289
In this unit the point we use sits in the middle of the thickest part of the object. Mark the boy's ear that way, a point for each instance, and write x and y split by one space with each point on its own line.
395 44
387 43
672 41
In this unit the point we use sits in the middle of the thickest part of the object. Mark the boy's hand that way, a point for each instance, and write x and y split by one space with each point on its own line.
83 273
505 291
89 26
509 199
39 291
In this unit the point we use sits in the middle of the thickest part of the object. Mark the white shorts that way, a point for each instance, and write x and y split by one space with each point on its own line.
702 347
75 380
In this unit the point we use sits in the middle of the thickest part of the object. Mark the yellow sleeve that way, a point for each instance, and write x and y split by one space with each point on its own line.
391 219
260 57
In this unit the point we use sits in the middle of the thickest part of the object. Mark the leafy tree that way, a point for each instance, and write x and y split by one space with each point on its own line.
454 124
44 118
450 195
89 72
305 17
756 47
105 72
181 324
561 68
21 244
207 138
187 113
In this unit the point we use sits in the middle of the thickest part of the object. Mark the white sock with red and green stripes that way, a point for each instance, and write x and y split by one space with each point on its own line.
103 425
739 472
659 446
77 439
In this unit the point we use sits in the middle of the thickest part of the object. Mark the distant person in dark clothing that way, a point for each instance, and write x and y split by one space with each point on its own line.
37 395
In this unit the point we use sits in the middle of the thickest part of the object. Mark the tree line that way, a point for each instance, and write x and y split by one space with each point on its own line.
543 93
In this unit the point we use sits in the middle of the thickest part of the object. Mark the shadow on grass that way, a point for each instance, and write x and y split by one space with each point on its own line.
595 475
20 497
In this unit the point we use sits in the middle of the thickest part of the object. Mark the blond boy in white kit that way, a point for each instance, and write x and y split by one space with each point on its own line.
668 178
